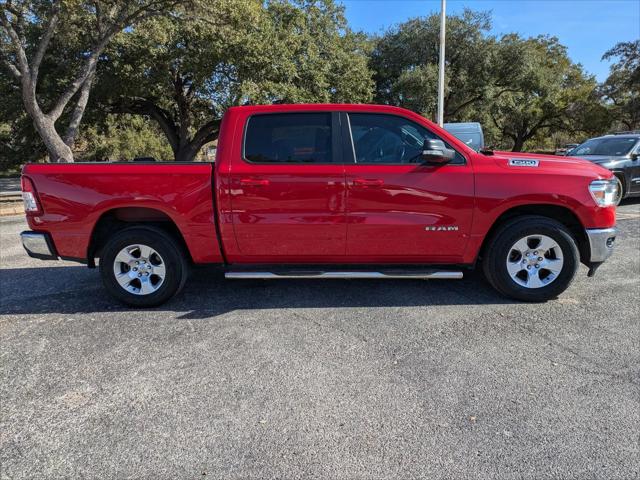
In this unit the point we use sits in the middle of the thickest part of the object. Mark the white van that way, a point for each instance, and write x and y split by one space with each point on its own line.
470 133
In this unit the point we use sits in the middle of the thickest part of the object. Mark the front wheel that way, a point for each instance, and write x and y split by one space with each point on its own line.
621 190
143 266
531 258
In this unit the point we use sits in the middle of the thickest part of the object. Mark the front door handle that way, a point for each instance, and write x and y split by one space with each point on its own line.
254 182
365 182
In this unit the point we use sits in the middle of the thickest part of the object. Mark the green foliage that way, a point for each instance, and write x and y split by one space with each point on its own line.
405 62
122 138
185 71
303 51
547 92
621 90
102 138
30 30
162 85
519 89
19 141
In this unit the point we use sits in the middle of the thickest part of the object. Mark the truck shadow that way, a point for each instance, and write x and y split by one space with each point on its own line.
76 289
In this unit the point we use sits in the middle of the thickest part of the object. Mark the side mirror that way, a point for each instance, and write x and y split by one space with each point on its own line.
634 156
435 152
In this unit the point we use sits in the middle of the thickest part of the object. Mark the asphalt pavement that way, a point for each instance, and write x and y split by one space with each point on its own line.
340 379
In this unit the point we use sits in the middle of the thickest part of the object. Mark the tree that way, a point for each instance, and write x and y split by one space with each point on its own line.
184 74
519 89
83 29
19 142
101 137
621 90
547 91
121 137
405 62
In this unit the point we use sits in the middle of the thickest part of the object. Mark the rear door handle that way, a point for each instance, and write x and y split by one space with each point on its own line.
254 182
364 182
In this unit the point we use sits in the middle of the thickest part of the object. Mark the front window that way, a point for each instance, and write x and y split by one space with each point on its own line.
389 139
608 146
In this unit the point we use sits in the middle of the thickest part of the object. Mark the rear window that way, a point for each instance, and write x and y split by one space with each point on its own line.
289 138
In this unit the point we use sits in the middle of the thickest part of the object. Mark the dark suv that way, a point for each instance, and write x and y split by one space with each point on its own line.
619 153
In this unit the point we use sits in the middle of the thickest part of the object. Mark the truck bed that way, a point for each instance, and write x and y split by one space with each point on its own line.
76 196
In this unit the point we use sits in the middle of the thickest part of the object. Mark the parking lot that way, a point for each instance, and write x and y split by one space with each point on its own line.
319 379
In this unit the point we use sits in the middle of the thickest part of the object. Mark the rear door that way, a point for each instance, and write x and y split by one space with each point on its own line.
398 208
288 189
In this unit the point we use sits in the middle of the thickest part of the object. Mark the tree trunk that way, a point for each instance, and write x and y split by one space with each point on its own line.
78 112
58 150
518 144
188 148
12 27
184 147
186 153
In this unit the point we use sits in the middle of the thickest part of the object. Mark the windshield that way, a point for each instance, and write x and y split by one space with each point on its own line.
604 146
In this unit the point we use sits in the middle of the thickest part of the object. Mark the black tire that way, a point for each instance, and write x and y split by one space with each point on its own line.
623 192
499 249
171 254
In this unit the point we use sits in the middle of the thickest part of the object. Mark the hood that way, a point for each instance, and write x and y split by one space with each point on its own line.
600 158
550 164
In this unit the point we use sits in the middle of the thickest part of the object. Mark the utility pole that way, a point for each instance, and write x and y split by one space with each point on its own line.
443 19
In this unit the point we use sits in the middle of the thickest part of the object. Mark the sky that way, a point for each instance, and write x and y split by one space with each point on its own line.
587 28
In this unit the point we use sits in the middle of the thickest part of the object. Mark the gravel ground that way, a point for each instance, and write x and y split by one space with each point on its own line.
319 379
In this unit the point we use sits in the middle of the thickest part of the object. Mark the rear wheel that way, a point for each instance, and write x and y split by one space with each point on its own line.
531 258
143 266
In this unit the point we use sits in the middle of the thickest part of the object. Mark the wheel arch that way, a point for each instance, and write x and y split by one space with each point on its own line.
555 212
117 219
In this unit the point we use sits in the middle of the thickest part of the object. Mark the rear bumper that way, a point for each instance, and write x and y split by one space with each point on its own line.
601 241
39 245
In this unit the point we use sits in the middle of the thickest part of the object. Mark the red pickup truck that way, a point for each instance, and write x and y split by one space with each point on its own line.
327 191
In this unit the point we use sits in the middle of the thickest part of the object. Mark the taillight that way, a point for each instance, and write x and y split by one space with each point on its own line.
30 197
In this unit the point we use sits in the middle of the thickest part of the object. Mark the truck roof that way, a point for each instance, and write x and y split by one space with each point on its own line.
357 107
248 110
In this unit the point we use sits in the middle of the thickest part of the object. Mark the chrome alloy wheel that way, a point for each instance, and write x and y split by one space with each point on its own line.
139 269
535 261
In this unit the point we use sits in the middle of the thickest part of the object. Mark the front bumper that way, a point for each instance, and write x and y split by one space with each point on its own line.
38 245
601 242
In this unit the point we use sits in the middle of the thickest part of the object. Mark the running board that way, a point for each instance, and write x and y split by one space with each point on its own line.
411 275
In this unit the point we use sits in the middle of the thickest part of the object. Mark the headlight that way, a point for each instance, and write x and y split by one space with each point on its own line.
604 192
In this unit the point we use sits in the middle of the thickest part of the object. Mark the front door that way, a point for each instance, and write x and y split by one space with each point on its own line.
398 208
634 170
288 191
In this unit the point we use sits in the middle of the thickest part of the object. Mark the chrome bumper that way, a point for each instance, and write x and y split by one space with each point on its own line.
38 245
601 242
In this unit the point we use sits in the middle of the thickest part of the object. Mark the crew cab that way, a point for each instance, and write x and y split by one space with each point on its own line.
327 191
